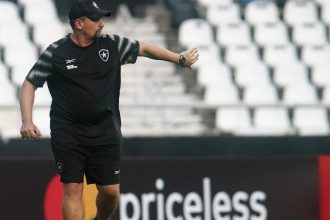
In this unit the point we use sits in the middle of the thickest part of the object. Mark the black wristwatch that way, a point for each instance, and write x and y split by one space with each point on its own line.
182 60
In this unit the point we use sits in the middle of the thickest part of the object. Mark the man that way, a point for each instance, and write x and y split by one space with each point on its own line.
82 71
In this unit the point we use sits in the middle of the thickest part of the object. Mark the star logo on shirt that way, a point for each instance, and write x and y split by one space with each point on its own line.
104 54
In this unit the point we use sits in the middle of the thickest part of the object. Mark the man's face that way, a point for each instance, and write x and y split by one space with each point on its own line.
91 28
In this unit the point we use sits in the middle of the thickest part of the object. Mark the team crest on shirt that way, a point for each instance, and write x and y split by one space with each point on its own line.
104 54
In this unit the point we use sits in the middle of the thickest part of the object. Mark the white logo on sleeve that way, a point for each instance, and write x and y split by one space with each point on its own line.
104 55
117 172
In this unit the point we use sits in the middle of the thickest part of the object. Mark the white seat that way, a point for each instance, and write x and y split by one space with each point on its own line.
41 9
10 122
249 75
242 55
260 95
311 120
299 12
207 55
41 119
270 34
300 94
3 72
8 94
9 12
233 34
222 15
43 97
232 119
212 3
309 34
221 95
321 75
322 3
315 55
275 120
21 55
261 12
325 13
280 54
14 36
43 37
286 75
326 95
200 29
214 75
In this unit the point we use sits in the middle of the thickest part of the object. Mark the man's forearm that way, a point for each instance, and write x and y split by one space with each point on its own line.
26 99
158 53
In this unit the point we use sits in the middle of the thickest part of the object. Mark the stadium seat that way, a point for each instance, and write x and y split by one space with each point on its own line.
325 13
21 55
223 15
321 75
326 95
308 34
42 97
270 34
208 54
212 3
299 12
280 54
286 75
41 119
311 120
214 75
233 34
221 95
249 75
300 94
242 55
274 120
315 55
258 95
260 12
9 12
10 122
200 29
8 96
232 119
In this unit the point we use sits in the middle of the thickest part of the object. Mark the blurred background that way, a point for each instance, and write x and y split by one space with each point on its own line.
258 98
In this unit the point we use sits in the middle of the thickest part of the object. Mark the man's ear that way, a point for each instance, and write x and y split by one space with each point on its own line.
78 24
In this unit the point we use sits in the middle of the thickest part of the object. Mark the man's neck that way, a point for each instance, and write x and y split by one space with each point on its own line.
81 40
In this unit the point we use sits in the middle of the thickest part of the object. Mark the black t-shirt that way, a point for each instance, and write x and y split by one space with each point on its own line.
84 83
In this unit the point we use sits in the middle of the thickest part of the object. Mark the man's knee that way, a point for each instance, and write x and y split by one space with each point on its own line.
110 191
73 190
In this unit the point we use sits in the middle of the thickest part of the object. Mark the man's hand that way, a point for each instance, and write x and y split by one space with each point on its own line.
191 57
30 131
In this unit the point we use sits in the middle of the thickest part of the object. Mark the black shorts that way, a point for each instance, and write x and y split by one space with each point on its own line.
99 163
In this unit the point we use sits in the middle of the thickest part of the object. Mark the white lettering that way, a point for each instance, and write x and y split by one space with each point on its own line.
126 199
147 198
241 208
173 198
221 205
207 198
255 202
192 205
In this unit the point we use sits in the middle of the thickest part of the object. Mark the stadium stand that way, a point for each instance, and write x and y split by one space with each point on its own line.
263 69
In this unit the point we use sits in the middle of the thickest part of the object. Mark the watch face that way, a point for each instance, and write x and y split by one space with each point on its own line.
182 60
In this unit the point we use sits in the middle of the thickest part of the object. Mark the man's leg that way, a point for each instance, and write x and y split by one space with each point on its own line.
72 206
107 201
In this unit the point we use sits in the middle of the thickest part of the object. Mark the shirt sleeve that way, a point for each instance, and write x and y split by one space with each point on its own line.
42 69
128 49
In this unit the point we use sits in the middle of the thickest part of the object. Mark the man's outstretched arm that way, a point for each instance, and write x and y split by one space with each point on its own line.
26 99
159 53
